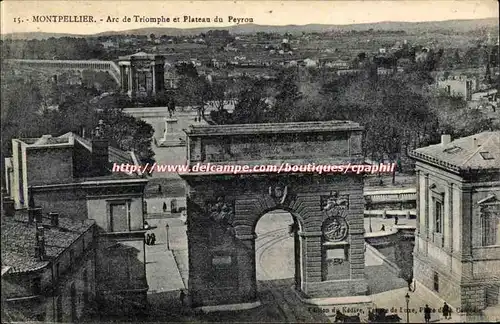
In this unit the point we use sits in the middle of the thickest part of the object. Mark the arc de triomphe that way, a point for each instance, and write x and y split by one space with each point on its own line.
223 209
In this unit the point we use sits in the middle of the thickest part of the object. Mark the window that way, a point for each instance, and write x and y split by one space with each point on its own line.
486 156
438 214
490 223
453 150
119 217
36 285
436 281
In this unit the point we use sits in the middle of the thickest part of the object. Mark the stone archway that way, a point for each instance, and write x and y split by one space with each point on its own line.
223 209
274 234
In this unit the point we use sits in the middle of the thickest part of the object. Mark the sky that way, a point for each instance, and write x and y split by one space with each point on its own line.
261 12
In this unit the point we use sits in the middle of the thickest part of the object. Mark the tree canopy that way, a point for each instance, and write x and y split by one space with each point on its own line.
51 108
399 112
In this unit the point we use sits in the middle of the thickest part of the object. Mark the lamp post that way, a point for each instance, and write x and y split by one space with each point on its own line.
407 297
368 201
166 239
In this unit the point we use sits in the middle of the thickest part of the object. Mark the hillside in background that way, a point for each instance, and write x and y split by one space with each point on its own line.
456 26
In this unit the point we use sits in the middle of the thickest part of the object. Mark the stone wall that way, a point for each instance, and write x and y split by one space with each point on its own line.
68 203
473 298
449 287
120 274
38 161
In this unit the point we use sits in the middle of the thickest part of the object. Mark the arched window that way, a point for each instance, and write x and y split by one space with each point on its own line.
489 210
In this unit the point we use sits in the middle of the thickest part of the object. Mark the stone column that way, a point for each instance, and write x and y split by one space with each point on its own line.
426 214
427 196
199 256
467 223
247 279
122 78
417 227
153 80
449 239
130 81
134 83
312 261
357 257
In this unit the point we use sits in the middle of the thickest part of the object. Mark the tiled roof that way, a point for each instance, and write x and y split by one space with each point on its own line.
479 151
19 240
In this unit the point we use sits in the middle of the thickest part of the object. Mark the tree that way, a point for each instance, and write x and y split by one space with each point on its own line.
251 107
78 109
456 58
454 118
196 92
287 97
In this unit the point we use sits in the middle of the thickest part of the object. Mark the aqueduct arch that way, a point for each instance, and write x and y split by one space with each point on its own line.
223 209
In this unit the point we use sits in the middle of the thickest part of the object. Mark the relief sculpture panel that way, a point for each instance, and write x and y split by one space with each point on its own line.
220 212
335 208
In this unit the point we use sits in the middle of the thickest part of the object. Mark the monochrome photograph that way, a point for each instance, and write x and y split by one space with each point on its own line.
250 161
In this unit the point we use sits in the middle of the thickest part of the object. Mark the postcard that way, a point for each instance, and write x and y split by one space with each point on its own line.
250 161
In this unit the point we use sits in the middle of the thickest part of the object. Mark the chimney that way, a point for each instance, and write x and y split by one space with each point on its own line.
445 139
54 219
37 211
40 243
7 204
100 154
475 143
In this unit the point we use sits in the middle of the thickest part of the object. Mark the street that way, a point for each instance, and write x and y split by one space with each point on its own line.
167 273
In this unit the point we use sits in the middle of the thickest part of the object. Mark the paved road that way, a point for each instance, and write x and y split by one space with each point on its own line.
274 257
275 273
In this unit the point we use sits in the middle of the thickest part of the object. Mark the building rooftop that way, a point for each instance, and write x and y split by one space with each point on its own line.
274 128
115 155
46 140
479 151
19 240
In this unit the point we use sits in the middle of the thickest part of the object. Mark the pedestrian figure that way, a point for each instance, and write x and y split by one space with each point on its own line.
164 207
153 239
396 219
171 107
159 189
409 281
382 228
446 311
182 297
148 239
427 313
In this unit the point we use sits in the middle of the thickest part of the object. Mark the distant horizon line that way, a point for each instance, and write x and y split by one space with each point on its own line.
215 27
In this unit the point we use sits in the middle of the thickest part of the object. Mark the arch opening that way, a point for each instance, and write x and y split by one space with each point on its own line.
277 251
